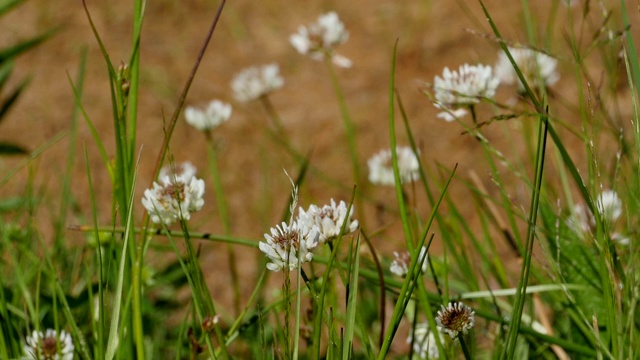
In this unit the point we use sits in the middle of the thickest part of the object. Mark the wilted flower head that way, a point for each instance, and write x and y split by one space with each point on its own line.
381 167
328 219
400 266
288 243
456 90
424 344
49 346
536 67
186 170
455 318
609 205
208 118
320 38
174 198
255 82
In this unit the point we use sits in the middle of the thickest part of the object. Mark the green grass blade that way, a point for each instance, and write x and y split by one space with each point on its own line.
352 302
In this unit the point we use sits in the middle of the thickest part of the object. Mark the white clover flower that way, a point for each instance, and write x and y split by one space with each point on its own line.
288 243
328 219
255 82
456 90
186 170
49 346
580 220
455 318
400 265
536 67
321 38
381 167
609 205
208 118
174 198
424 344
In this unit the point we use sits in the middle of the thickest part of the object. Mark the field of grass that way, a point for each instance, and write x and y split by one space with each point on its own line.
121 240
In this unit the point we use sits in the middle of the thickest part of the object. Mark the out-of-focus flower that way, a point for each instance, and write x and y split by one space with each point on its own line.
208 118
255 82
457 90
320 39
580 220
288 243
400 266
186 170
49 345
329 219
609 205
424 344
174 198
381 167
455 318
536 67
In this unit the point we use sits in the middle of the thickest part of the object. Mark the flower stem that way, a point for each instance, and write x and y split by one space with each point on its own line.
465 350
224 217
273 114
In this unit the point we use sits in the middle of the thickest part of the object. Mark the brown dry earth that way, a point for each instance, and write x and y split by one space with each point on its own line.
430 35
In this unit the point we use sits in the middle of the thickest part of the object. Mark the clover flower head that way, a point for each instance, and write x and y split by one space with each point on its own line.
455 318
400 265
255 82
186 170
581 221
329 219
174 198
536 67
49 345
321 37
456 90
424 342
287 243
381 167
215 113
609 205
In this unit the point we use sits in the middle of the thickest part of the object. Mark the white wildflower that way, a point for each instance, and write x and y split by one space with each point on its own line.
288 243
455 318
536 67
186 170
174 198
208 118
580 220
329 220
456 90
424 342
49 345
609 205
381 167
320 38
255 82
400 265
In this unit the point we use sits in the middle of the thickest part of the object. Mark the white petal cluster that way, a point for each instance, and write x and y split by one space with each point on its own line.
609 205
215 113
329 219
255 82
536 67
424 344
174 198
467 86
583 222
287 245
400 265
381 167
49 346
456 318
186 170
321 38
